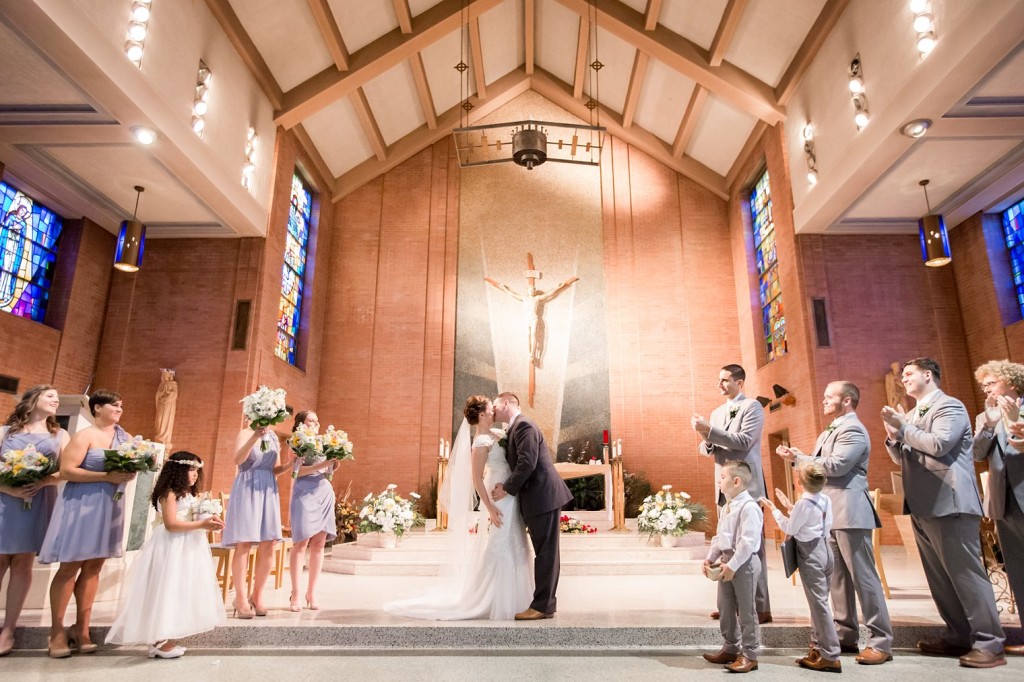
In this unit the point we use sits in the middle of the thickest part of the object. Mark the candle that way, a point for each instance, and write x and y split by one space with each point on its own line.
440 449
606 437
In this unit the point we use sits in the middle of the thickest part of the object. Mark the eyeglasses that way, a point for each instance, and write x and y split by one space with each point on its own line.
991 383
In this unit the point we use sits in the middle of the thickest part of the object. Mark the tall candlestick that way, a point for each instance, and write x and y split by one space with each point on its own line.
605 441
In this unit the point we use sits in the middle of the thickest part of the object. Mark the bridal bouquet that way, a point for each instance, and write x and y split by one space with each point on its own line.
132 456
20 468
305 443
669 513
388 512
335 445
206 507
265 407
570 524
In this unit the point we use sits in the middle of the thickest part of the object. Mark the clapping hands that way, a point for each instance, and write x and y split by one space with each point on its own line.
1000 406
893 420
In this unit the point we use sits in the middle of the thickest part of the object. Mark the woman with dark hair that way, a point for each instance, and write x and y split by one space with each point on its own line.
87 527
312 517
170 591
253 516
33 423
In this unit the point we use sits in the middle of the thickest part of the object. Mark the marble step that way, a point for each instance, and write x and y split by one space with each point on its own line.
678 563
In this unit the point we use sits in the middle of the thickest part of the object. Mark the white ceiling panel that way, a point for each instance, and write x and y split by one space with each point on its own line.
362 22
28 78
1006 80
720 134
287 36
418 7
947 164
114 170
446 84
695 20
501 35
337 133
638 5
394 102
663 99
769 34
613 81
555 39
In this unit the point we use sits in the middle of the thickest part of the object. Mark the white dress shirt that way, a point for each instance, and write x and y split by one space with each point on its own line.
739 531
805 522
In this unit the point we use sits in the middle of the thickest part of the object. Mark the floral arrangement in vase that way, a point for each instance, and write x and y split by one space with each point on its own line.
388 512
669 513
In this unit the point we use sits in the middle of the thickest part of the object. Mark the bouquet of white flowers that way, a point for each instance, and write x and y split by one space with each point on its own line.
305 443
669 513
335 445
265 407
132 456
19 468
388 512
206 507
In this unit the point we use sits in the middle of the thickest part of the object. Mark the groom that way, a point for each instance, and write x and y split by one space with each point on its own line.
541 492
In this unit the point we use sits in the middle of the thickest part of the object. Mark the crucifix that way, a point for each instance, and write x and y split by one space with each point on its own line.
533 308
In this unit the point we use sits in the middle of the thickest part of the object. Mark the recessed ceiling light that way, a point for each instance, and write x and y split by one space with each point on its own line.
144 135
916 128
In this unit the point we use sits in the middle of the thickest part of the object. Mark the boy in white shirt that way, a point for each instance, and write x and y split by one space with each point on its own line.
735 548
809 524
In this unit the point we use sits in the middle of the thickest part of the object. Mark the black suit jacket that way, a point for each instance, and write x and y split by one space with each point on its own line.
534 479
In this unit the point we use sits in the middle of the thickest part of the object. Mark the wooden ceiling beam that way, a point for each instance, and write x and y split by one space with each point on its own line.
404 15
823 25
636 80
651 14
748 148
582 43
689 123
726 31
530 31
239 38
476 53
369 124
371 61
726 81
315 158
501 91
419 75
330 32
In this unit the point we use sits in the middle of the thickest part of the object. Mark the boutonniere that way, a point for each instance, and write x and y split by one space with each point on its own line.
922 411
733 411
831 427
501 436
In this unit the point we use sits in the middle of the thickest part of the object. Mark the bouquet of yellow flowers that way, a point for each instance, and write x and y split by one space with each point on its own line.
335 445
305 443
133 456
19 468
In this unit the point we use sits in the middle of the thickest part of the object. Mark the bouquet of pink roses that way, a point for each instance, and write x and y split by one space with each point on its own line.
20 468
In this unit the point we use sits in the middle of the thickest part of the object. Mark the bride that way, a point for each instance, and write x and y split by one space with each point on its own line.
488 570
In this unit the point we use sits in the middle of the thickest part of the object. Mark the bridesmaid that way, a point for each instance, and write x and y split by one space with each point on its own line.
87 527
253 515
312 518
33 422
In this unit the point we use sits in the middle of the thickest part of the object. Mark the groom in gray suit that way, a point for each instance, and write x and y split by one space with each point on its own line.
1003 383
843 450
734 434
934 448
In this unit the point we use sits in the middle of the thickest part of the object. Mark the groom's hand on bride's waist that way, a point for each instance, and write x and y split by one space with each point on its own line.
498 492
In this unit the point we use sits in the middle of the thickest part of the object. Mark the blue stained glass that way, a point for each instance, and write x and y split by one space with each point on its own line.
28 244
293 270
769 291
1013 228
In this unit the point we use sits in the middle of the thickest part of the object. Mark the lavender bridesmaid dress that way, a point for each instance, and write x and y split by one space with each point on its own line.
254 509
22 530
312 507
88 523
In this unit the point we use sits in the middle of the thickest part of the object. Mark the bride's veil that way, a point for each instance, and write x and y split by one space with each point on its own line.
457 497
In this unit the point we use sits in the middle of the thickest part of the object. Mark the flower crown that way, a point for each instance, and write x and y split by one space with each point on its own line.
193 463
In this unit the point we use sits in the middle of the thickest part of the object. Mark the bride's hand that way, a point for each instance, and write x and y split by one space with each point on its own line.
495 515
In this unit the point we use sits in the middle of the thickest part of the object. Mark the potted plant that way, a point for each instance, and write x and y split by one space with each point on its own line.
668 515
389 515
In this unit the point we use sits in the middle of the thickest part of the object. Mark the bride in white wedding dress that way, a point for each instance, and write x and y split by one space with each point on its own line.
488 574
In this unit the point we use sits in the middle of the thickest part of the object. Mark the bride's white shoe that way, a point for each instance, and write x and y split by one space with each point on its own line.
156 652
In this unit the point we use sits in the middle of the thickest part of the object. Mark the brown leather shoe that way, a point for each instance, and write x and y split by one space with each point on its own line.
721 658
533 614
764 617
821 664
715 615
742 665
1014 650
812 655
937 647
872 656
977 658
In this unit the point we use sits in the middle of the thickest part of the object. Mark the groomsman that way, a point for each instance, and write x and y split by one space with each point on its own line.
734 434
1003 383
843 450
934 448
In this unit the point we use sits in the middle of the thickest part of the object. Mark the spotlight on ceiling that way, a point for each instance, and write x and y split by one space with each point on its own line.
916 128
144 135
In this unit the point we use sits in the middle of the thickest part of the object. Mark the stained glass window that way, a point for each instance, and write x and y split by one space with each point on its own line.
289 309
28 247
772 314
1013 228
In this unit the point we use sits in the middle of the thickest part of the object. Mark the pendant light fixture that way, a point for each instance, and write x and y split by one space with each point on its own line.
131 240
934 238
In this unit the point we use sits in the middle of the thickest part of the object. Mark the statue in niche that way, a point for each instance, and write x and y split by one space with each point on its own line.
533 302
895 393
166 404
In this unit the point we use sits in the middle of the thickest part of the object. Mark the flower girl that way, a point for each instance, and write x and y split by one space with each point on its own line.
170 591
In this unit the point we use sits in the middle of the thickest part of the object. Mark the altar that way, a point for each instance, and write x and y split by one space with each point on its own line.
569 471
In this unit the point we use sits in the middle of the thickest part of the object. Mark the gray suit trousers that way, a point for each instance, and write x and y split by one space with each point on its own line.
761 600
855 577
738 620
950 548
815 561
1011 542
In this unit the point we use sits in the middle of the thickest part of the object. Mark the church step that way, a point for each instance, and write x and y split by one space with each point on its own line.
680 564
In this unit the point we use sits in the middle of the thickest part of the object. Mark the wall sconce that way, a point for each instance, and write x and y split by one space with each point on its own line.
249 167
934 237
812 159
138 28
924 26
783 395
131 240
858 93
200 106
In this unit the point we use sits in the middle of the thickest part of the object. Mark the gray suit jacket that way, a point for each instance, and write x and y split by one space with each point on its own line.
1005 465
935 453
737 438
534 478
843 453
